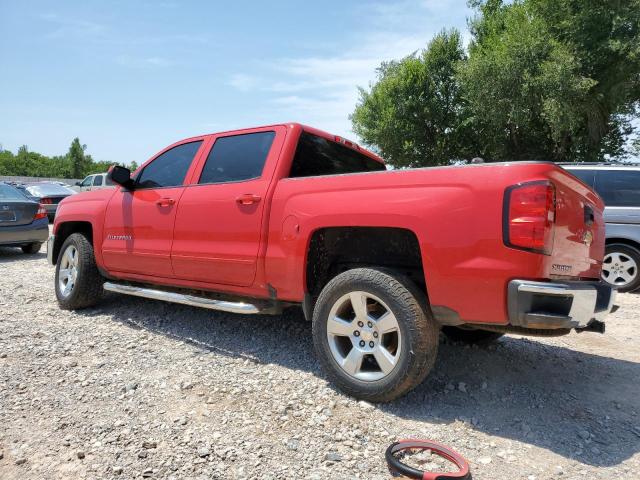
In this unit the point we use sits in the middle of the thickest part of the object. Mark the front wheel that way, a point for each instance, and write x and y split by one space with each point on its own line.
374 334
78 282
620 267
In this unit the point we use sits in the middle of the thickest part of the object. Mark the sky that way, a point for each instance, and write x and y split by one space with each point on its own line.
131 77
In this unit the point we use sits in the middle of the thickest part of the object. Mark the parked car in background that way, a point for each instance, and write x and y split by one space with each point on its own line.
95 182
23 222
48 194
619 187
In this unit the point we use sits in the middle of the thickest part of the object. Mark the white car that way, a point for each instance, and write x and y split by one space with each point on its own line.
95 182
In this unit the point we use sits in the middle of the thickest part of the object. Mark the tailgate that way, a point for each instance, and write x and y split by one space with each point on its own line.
579 234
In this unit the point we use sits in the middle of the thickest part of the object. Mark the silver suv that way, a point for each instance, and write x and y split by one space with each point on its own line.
619 187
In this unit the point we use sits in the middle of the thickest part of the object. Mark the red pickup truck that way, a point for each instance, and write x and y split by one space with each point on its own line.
257 220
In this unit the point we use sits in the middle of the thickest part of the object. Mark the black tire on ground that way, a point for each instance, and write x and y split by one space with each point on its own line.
471 336
87 289
632 253
31 248
419 333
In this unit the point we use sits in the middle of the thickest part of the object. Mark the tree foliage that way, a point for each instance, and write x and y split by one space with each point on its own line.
75 164
542 79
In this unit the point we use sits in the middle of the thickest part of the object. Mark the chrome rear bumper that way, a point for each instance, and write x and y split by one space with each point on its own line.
550 305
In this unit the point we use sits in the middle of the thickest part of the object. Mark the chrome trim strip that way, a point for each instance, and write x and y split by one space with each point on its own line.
173 297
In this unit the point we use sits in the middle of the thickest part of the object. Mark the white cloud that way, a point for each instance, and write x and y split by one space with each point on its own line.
243 82
67 26
143 62
323 90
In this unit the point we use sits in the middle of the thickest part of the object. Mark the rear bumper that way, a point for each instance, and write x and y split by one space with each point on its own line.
36 231
552 305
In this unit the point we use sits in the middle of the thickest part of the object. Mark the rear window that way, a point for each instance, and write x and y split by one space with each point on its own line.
319 156
9 193
97 181
619 188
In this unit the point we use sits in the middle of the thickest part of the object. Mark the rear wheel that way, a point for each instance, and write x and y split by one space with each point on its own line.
78 283
31 248
374 334
471 336
620 267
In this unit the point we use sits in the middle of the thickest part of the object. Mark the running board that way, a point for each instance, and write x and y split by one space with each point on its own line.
224 306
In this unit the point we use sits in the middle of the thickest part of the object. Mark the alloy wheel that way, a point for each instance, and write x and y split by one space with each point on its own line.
619 269
68 272
364 336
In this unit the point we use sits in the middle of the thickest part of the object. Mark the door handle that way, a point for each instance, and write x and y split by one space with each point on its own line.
165 202
248 199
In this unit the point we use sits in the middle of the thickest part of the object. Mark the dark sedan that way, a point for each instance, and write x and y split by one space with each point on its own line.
23 222
49 194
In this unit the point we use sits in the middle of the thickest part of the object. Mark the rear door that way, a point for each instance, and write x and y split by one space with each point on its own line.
138 228
220 217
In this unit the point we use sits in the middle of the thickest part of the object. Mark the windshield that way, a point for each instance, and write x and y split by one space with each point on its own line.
319 156
7 192
49 189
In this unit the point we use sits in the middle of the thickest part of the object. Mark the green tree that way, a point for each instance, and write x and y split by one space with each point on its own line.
414 114
543 79
79 162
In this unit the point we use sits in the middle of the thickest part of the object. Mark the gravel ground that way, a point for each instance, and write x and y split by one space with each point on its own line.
137 388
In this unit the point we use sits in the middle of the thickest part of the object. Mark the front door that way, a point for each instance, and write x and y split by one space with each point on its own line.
138 228
219 220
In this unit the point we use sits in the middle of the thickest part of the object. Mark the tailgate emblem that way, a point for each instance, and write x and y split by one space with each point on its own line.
587 238
5 207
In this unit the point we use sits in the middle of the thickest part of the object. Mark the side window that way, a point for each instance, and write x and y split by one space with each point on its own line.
619 188
87 181
587 176
97 181
237 158
170 168
319 156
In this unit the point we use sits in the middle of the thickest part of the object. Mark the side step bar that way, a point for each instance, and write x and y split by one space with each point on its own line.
232 307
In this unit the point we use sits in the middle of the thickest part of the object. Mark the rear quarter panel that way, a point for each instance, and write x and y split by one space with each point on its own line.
455 212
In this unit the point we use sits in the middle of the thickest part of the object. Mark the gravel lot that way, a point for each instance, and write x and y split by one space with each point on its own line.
137 388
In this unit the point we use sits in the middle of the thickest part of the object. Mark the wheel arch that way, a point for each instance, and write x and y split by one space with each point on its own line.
65 229
333 250
624 241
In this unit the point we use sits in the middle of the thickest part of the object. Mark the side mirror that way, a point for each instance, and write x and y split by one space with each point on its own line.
78 184
121 176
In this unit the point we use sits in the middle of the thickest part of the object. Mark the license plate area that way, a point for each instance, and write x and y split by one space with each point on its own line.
7 215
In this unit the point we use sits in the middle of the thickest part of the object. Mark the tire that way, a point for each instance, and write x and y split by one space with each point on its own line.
86 288
31 248
471 336
621 266
408 352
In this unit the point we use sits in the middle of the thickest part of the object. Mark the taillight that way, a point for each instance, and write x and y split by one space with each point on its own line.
41 213
529 216
46 201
